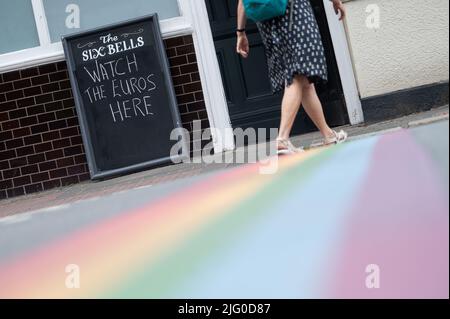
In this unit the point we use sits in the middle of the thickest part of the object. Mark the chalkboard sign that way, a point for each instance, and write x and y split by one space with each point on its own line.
124 96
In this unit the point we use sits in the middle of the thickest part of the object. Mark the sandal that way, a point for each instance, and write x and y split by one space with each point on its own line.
337 138
285 147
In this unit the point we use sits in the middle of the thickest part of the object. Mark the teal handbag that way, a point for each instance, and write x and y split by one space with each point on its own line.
261 10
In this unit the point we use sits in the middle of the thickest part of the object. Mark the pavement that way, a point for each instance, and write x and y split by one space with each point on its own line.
365 219
92 190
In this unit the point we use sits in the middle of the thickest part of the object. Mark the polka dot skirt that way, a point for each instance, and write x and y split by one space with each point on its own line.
295 47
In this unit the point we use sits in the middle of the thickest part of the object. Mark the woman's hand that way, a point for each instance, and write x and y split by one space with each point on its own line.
242 47
339 9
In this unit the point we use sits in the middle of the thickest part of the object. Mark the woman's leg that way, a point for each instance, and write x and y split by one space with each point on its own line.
292 101
314 109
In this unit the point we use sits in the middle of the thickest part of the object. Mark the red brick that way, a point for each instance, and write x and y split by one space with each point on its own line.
10 125
192 87
54 155
73 121
27 73
4 136
185 49
18 162
51 87
186 98
65 84
17 114
69 103
40 128
39 80
14 192
36 90
76 140
35 110
56 125
35 188
30 169
21 84
53 135
11 76
29 101
55 106
61 143
179 60
65 162
4 117
58 173
58 76
6 87
35 159
14 95
13 144
11 173
192 58
24 151
66 113
49 68
40 177
61 65
21 181
62 95
33 139
77 169
4 165
45 98
47 117
196 106
28 121
71 151
71 131
47 166
174 42
8 106
80 159
182 79
5 184
43 147
189 68
175 71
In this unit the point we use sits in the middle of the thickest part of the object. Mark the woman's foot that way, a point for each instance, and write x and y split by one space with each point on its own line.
333 138
285 147
336 138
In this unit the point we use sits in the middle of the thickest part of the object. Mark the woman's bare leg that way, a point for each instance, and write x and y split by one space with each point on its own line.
314 109
292 101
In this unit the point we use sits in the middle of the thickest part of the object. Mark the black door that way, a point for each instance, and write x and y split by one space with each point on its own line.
246 82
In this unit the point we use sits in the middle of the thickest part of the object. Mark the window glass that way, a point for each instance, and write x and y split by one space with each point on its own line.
17 26
69 16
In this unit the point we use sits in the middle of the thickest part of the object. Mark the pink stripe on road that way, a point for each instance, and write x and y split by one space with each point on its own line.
400 223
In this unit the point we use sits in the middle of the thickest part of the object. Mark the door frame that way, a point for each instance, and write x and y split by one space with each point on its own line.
216 103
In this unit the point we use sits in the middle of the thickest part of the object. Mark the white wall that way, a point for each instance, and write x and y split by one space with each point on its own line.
411 47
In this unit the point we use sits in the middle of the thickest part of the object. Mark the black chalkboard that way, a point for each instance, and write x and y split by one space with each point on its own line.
124 96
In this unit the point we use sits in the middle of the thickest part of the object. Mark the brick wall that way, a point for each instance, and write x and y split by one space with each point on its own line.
40 142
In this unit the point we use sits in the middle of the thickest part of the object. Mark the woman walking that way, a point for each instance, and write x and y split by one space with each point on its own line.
296 60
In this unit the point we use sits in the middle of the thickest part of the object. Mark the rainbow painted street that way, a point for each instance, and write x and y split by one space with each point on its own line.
365 219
